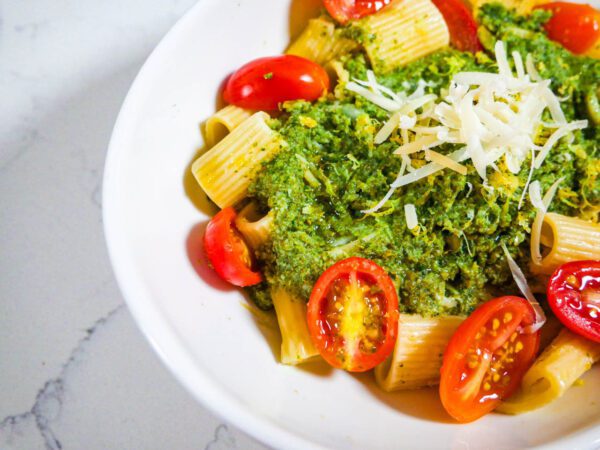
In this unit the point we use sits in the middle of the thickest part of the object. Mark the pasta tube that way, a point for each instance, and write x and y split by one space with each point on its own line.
320 42
255 230
404 31
567 358
568 239
296 343
223 122
418 354
226 170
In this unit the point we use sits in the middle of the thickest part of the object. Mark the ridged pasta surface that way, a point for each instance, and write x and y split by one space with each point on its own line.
570 239
227 169
320 42
405 31
418 354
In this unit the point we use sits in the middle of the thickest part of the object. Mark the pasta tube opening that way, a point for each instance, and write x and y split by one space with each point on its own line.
564 239
223 122
566 359
254 228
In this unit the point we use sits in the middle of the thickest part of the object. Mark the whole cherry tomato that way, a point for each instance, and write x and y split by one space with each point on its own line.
353 314
265 82
487 357
574 296
346 10
576 27
227 252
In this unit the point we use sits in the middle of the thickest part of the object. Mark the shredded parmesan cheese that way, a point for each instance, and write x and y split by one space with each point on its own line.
493 116
521 281
536 228
536 197
443 160
411 216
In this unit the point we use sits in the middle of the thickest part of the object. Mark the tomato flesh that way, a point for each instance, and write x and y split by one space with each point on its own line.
574 296
227 252
461 25
353 315
487 357
266 82
346 10
576 27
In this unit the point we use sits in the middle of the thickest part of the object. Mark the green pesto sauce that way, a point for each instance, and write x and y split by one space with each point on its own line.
453 261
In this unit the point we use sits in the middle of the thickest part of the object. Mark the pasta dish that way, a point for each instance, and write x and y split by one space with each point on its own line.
413 189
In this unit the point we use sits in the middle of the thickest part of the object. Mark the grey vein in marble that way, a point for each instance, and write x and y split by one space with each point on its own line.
223 439
49 400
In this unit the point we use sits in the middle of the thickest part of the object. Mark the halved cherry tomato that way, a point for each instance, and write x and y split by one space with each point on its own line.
227 252
265 82
574 296
487 357
353 314
461 24
576 27
346 10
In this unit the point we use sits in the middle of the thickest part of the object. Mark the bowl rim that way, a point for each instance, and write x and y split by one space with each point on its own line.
160 334
163 338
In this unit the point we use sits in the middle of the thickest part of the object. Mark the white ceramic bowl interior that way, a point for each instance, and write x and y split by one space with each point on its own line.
224 354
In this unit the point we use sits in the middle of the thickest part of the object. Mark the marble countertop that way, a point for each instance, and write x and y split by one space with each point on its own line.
75 372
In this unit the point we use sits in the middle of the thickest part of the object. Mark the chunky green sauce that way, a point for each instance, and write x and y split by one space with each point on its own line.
331 171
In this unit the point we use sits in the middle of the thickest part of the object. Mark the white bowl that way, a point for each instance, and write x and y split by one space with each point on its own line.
154 217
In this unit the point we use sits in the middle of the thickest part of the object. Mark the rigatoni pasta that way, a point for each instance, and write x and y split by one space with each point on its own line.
296 343
223 122
227 169
566 359
567 239
403 32
321 42
418 353
256 230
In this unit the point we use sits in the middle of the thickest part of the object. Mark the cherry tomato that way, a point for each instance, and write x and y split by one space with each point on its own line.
353 314
576 27
487 357
346 10
227 252
265 82
574 296
461 24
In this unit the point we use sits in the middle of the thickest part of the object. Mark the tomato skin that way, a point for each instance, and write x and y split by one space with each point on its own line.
345 10
488 344
326 320
574 296
576 27
227 252
265 82
461 24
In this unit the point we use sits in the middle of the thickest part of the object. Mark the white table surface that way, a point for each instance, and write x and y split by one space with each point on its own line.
75 372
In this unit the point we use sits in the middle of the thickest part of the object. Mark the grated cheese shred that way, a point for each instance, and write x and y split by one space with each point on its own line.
410 212
491 116
542 206
521 281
